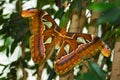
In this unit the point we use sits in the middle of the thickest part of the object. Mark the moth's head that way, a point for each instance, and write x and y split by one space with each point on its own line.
105 50
32 12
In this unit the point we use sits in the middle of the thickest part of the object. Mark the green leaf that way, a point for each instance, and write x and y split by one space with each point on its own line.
94 68
77 4
13 46
94 73
59 13
5 66
7 52
110 16
117 32
89 76
64 20
108 35
101 6
5 28
11 1
8 41
2 2
117 3
4 78
2 48
65 0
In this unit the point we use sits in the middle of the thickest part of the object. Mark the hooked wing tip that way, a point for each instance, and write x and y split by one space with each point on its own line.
106 51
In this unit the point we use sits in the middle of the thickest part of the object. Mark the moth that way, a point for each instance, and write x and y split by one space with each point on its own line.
65 60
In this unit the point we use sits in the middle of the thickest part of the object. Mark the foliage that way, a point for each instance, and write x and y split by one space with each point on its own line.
95 70
14 31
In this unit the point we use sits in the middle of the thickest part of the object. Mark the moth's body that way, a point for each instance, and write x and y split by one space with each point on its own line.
77 52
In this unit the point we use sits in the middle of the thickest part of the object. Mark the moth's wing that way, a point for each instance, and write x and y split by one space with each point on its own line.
83 35
37 49
61 51
54 24
50 33
64 63
41 45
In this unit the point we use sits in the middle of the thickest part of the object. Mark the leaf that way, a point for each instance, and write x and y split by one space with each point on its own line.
101 6
52 75
65 1
117 3
94 68
8 41
2 3
108 35
13 46
64 20
4 28
88 76
11 1
5 66
77 4
2 20
2 48
117 32
110 16
94 73
7 52
4 78
59 13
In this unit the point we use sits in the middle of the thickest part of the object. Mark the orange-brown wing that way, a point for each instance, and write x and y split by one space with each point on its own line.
39 41
37 49
77 52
